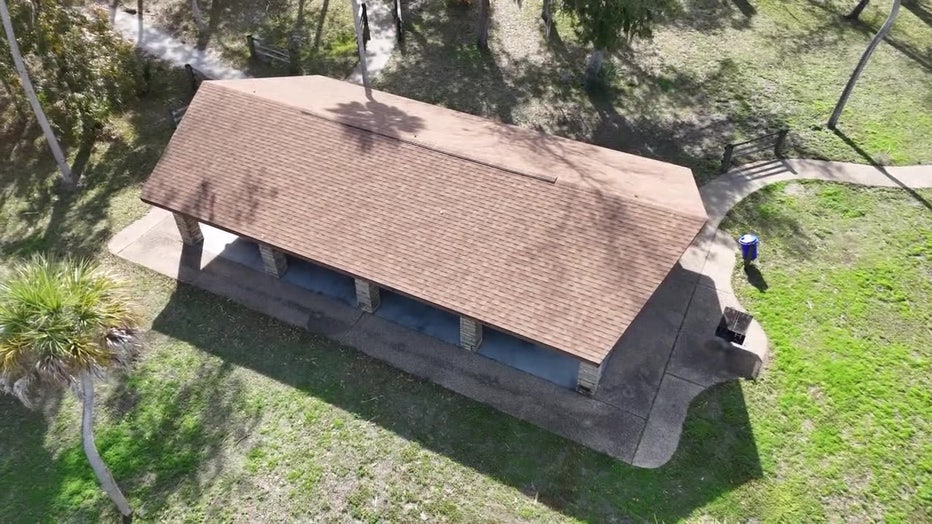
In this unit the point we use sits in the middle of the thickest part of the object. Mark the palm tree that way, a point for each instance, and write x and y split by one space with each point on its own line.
67 179
63 324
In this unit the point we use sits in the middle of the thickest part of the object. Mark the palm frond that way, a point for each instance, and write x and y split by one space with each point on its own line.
59 318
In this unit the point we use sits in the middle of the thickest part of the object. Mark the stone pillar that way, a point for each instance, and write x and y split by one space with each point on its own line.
470 334
587 379
189 228
273 260
367 295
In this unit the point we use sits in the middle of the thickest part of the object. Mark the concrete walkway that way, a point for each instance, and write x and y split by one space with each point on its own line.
157 43
162 45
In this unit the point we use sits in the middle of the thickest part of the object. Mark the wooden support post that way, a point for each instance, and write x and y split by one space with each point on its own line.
781 139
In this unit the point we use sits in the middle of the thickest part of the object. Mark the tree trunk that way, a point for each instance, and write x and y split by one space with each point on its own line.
139 34
360 45
546 14
856 12
485 20
594 67
881 34
90 449
33 100
198 17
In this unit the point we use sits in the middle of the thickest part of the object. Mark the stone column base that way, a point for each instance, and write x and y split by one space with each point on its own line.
189 228
587 379
470 334
274 261
367 296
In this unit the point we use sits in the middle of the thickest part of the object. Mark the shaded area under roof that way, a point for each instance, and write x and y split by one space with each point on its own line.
555 241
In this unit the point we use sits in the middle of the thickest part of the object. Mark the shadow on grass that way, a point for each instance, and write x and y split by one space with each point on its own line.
775 219
29 483
870 160
163 441
717 452
755 277
838 27
449 70
77 223
322 35
710 15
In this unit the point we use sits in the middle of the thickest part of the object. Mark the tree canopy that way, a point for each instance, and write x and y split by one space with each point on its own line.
606 24
81 69
59 320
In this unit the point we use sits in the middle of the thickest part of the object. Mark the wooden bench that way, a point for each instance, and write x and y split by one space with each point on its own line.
773 141
196 76
272 55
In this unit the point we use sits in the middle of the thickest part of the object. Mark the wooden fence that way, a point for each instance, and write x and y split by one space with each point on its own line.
195 76
760 144
272 55
177 114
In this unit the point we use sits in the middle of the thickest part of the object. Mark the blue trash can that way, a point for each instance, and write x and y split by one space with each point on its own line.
749 243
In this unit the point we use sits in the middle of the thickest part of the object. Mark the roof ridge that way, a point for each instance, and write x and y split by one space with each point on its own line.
422 145
553 180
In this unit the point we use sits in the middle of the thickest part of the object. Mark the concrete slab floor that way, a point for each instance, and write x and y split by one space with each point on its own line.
636 415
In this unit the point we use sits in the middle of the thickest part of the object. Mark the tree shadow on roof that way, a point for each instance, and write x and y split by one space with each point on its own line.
374 117
717 443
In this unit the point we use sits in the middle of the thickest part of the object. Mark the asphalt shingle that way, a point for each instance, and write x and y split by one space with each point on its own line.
517 235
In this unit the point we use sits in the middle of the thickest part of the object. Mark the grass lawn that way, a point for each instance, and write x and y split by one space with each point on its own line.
844 292
233 416
321 30
725 71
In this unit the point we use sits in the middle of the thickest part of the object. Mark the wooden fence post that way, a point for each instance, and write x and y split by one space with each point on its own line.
781 139
293 55
251 44
399 23
726 158
192 77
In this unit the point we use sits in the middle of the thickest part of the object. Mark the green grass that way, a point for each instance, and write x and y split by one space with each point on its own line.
711 76
234 416
846 404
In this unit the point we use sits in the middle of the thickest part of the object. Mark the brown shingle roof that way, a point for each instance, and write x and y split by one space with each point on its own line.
555 241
